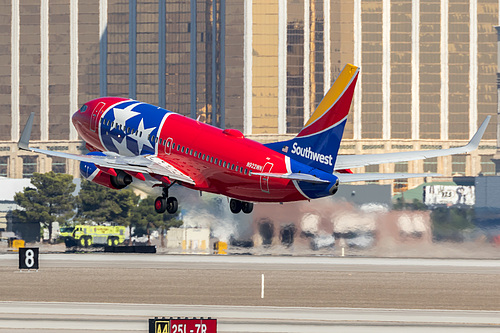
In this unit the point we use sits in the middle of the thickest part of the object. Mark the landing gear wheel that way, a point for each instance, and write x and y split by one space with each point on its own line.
235 206
160 205
246 207
172 205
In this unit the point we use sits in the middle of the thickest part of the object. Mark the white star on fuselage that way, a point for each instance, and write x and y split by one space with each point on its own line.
122 115
143 139
122 147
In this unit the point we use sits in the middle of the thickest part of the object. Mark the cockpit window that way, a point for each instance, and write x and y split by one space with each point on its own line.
83 108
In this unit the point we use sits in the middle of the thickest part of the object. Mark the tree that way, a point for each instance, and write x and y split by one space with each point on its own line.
449 223
48 201
144 216
101 204
401 204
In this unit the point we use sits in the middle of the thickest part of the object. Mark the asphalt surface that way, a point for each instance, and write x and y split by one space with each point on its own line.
106 317
381 289
227 280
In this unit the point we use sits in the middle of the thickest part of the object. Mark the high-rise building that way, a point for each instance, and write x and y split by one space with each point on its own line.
428 70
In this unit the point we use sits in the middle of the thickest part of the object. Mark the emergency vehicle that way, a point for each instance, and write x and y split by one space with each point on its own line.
88 235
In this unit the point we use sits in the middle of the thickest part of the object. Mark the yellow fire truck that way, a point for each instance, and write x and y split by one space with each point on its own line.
88 235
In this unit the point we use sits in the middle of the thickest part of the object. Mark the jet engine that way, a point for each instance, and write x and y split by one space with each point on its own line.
91 172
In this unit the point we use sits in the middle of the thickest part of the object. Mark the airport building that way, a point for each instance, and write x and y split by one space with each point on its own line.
428 71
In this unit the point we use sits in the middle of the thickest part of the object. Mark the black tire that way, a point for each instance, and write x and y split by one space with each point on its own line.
160 205
88 241
110 241
247 207
235 206
82 242
172 205
69 242
115 241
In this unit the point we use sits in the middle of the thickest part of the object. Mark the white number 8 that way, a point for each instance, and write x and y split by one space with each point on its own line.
30 258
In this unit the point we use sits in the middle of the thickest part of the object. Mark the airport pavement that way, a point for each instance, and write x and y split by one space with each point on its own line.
308 284
107 317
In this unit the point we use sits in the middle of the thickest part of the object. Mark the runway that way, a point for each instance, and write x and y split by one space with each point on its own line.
99 317
119 292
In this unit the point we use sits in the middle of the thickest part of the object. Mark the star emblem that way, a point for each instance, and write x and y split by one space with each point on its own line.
143 140
122 115
121 146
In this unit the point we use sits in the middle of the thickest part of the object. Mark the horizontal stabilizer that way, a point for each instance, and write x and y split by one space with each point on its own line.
359 177
301 177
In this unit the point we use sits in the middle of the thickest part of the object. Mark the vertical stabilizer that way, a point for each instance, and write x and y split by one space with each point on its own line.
317 144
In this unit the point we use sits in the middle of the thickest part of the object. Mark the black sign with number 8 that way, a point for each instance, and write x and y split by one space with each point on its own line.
28 258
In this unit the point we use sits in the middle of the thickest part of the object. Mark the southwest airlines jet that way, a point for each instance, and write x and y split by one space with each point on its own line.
130 141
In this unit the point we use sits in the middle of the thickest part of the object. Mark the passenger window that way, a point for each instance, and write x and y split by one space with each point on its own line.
178 147
168 144
182 149
203 157
245 172
224 164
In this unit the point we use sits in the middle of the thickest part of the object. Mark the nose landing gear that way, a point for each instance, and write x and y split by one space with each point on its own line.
166 203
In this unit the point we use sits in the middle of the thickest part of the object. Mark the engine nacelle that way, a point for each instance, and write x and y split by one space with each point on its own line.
91 172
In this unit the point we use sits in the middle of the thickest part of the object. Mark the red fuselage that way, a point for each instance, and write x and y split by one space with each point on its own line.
219 161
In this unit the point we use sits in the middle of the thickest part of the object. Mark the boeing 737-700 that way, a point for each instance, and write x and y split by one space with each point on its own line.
130 141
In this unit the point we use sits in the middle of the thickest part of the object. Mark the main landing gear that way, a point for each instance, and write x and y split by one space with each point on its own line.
236 206
166 203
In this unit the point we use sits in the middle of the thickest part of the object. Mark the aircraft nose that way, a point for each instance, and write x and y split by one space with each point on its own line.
79 116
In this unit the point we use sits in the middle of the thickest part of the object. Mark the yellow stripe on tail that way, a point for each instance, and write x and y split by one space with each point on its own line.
334 93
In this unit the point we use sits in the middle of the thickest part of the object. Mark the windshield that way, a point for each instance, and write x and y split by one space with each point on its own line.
67 229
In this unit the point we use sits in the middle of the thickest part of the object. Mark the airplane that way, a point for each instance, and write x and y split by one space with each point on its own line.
134 142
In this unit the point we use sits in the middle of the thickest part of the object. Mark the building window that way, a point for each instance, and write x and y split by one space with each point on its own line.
458 165
30 165
4 166
372 169
59 165
487 166
431 165
401 185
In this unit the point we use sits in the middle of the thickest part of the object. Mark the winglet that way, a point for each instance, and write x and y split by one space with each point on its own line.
474 142
24 141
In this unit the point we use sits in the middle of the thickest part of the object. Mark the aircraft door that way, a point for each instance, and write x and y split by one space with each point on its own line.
168 146
264 181
96 115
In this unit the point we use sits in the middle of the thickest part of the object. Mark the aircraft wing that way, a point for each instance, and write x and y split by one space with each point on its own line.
303 177
358 177
356 161
143 164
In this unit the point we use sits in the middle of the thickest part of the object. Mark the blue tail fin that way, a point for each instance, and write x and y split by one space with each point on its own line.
317 144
